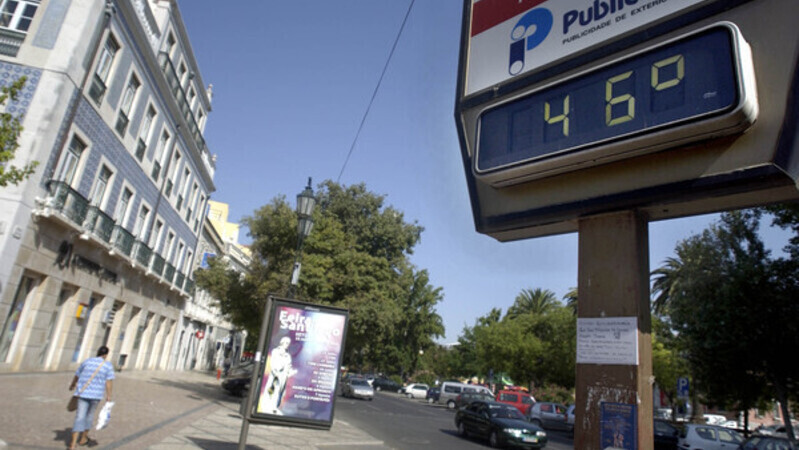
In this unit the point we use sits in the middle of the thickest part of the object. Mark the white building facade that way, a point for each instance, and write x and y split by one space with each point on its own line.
99 245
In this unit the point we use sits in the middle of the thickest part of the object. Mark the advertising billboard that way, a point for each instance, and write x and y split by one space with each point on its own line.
298 377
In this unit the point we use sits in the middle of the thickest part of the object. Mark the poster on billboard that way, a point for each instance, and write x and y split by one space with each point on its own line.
298 377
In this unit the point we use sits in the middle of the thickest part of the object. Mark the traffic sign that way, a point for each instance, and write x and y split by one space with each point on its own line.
682 387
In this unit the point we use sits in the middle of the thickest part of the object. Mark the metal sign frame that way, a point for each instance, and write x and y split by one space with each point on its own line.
297 365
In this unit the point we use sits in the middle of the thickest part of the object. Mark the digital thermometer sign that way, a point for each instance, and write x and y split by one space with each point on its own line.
694 87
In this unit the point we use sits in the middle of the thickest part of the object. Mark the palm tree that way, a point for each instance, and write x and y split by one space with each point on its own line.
529 301
666 283
571 300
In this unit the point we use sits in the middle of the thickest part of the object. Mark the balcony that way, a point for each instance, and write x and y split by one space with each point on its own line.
10 41
157 265
123 240
179 279
142 253
92 223
180 97
99 224
169 273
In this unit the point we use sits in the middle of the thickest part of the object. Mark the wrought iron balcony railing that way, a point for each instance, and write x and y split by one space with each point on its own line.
179 279
99 223
169 273
123 240
142 253
157 264
180 97
68 202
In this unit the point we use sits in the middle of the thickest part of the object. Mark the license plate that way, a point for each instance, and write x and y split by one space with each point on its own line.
530 439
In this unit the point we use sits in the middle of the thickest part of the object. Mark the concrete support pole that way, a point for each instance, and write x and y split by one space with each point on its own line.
613 281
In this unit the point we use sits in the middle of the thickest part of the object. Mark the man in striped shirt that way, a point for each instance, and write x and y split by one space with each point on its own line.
94 378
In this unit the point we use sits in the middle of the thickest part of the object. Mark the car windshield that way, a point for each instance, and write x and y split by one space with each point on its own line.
359 382
503 412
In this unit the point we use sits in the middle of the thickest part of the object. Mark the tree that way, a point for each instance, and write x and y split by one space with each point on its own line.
10 129
533 301
571 300
357 257
733 309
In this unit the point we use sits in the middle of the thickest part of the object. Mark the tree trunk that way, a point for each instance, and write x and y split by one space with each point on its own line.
782 397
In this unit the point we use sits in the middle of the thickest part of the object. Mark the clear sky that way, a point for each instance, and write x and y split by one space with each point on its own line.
292 80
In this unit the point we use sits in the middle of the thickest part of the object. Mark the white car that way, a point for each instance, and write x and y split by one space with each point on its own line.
708 437
415 390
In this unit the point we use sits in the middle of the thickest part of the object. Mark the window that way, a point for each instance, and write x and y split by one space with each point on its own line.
141 222
109 51
200 120
10 326
71 161
127 102
159 155
192 98
170 44
174 169
17 14
187 265
182 72
98 194
181 253
144 133
193 202
123 206
170 244
184 188
157 234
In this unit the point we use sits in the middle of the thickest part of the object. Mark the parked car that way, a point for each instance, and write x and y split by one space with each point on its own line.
758 442
550 415
708 437
502 424
570 416
433 395
385 384
415 390
467 398
666 435
237 381
518 399
358 388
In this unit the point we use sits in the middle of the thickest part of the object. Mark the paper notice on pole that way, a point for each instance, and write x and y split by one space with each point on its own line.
607 340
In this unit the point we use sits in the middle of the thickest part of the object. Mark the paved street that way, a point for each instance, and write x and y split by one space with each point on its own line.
156 410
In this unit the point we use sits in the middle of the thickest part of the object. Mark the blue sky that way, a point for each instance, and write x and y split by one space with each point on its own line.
292 80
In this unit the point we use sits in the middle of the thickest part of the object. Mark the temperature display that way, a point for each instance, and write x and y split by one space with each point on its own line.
682 81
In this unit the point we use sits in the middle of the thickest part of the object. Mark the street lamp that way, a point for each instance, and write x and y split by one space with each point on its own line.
305 205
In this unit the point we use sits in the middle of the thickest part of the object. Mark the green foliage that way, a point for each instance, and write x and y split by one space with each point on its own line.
553 393
357 257
10 129
534 343
733 311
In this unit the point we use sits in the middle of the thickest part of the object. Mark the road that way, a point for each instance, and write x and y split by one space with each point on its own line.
402 423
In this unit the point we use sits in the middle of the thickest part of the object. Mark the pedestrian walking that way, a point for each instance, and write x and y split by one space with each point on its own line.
93 383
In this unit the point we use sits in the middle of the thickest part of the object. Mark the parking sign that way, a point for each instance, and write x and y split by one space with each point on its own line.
682 387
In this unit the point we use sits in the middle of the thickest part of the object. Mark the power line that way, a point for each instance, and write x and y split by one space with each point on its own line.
374 94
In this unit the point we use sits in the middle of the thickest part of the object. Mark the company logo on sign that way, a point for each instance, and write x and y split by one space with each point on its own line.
527 34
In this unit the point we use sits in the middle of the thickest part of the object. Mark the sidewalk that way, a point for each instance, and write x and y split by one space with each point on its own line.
156 410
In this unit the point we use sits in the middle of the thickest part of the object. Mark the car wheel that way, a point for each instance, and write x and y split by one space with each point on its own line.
377 389
493 440
430 400
450 404
410 395
537 423
461 430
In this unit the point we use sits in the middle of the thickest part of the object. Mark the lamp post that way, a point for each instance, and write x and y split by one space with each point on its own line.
305 205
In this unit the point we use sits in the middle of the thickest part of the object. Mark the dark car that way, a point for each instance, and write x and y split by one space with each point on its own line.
385 384
433 394
758 442
238 379
502 424
666 435
465 398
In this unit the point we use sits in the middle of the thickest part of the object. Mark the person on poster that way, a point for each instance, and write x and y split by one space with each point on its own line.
279 372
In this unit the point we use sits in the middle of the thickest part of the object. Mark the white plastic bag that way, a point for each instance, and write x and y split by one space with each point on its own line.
105 415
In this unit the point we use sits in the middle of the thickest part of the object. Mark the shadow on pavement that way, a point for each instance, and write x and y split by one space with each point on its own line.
208 444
